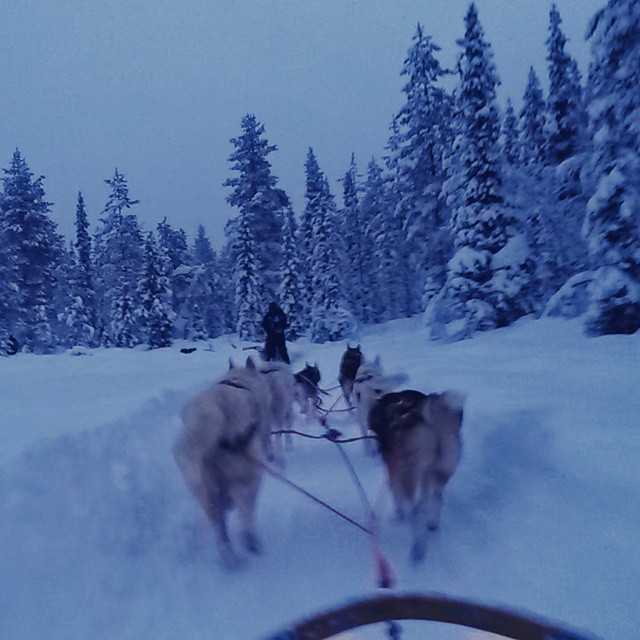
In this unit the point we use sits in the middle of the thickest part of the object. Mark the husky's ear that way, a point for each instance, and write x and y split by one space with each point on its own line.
250 364
230 364
358 347
306 364
348 345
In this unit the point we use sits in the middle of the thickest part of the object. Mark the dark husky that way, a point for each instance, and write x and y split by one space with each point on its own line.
351 360
419 438
306 387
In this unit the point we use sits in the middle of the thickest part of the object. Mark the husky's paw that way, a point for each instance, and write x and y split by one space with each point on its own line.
252 543
418 552
230 561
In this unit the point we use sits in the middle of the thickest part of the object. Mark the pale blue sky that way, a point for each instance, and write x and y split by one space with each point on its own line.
157 87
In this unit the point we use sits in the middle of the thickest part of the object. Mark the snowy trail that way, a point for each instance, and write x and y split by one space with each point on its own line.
100 538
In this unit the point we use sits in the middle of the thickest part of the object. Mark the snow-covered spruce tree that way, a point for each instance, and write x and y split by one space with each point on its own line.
173 244
248 290
566 120
32 249
255 194
355 242
289 292
155 295
373 211
330 320
423 135
204 309
486 278
397 236
612 223
119 263
532 119
80 317
510 136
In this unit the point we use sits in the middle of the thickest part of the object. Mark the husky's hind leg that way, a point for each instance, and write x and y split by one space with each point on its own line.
216 506
246 496
437 483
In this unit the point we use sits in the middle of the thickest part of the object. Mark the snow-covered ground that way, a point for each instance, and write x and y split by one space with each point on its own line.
99 538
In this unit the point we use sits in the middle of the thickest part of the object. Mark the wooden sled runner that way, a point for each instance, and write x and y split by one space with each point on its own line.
434 608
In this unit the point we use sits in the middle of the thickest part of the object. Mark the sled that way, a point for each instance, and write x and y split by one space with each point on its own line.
433 608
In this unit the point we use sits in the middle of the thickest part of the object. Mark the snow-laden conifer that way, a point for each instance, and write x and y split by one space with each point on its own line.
612 223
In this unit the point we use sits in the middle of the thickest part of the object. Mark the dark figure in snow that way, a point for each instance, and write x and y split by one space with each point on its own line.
274 324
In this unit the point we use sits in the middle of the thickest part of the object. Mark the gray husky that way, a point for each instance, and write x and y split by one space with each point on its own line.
306 387
419 438
351 360
370 385
224 427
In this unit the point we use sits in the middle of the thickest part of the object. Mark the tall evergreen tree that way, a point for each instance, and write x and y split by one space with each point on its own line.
32 250
330 320
356 243
532 118
476 296
82 314
259 200
248 290
565 108
205 301
289 292
119 264
423 135
155 295
377 293
510 136
612 223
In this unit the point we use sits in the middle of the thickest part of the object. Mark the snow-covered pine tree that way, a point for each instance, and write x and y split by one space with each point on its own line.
203 311
174 244
356 249
81 316
612 223
32 248
257 197
423 135
532 119
485 279
119 265
373 207
330 319
510 136
565 123
394 179
289 292
203 252
248 289
155 295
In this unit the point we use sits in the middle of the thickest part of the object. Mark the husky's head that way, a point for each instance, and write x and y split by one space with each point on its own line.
238 374
371 384
353 352
311 373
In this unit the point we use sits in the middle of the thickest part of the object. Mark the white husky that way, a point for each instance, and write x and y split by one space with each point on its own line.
224 427
279 378
419 438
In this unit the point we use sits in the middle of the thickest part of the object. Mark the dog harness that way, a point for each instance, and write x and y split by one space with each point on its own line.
240 442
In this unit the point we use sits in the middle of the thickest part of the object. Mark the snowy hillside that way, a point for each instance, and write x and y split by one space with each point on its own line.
100 540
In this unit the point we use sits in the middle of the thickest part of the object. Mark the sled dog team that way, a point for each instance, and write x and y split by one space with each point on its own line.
226 436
